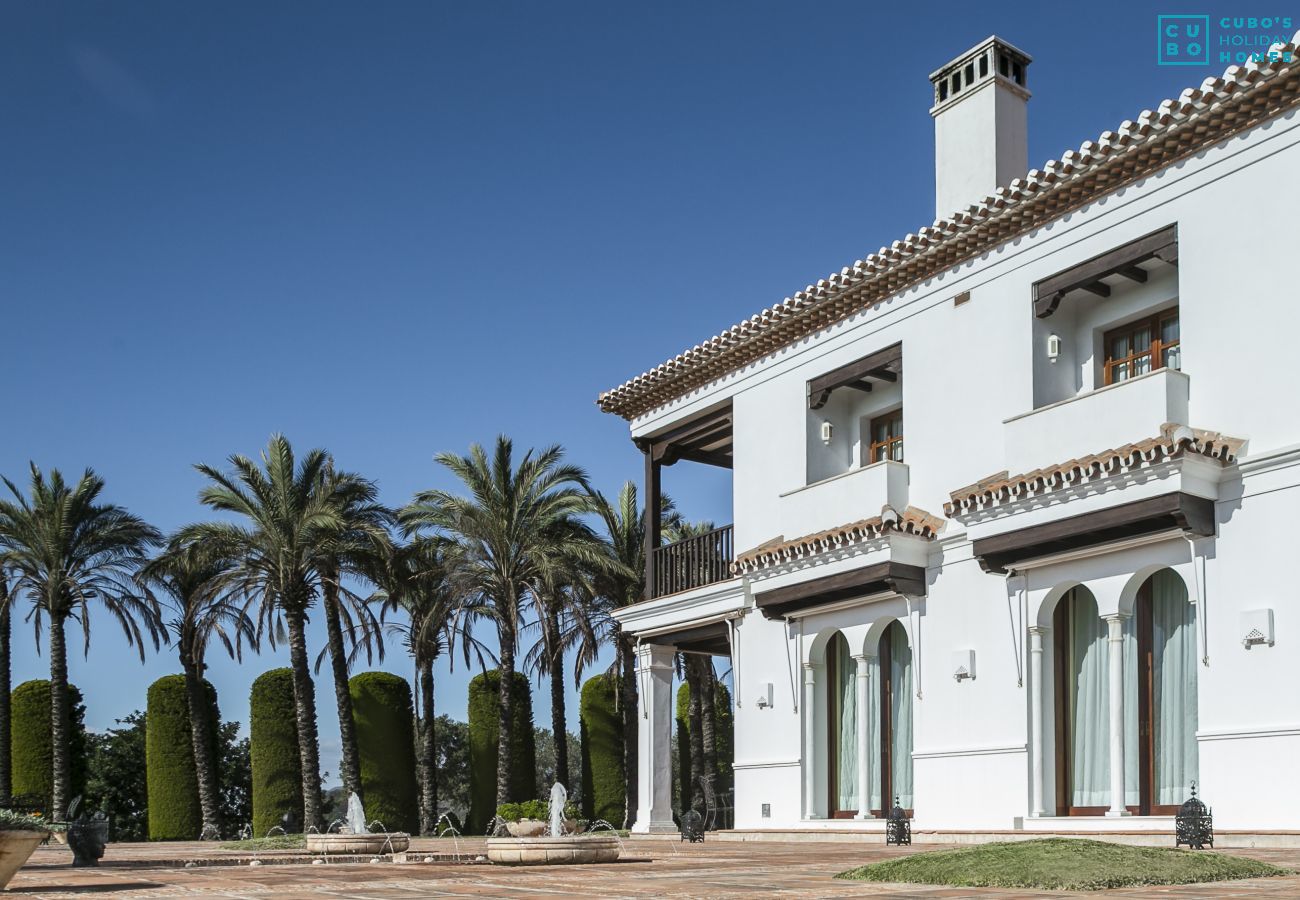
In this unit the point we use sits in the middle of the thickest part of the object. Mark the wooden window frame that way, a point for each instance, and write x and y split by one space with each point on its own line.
1155 350
884 657
1146 705
886 446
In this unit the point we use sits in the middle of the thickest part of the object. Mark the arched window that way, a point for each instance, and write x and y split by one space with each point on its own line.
1160 707
890 765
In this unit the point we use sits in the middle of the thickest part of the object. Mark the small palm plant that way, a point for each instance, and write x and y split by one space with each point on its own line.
68 551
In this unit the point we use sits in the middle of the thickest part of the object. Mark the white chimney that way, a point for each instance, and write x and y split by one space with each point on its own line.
981 137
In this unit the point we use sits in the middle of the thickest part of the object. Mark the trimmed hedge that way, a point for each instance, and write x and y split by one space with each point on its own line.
31 744
484 719
603 784
171 776
273 748
724 737
385 723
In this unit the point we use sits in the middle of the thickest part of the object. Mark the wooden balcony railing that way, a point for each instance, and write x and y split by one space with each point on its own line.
693 562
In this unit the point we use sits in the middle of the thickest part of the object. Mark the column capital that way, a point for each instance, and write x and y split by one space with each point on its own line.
1040 629
1116 617
654 656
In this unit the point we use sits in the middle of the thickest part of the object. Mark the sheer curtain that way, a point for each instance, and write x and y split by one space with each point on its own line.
900 751
1089 702
1173 640
846 697
1132 780
873 746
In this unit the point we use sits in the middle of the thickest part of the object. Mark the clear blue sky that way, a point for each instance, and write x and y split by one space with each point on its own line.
395 228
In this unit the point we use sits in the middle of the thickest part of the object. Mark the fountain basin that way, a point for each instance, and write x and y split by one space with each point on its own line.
569 849
382 842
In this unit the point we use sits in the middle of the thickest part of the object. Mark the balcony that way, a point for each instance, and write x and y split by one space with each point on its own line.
692 562
856 494
1098 420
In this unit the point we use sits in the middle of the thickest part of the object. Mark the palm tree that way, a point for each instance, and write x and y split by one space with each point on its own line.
66 549
415 583
6 772
360 545
619 584
503 544
196 580
290 515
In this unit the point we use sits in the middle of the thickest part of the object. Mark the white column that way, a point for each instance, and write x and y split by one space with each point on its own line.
809 742
1115 653
864 739
654 669
1036 633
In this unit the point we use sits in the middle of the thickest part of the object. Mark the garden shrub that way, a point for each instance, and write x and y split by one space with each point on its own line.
385 723
171 776
603 783
273 748
484 719
31 745
533 809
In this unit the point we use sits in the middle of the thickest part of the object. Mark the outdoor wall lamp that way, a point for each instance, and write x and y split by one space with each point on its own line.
1053 347
827 430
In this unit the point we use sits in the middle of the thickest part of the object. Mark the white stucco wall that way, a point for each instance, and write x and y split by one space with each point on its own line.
969 369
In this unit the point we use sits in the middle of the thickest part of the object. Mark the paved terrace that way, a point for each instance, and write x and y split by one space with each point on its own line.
650 869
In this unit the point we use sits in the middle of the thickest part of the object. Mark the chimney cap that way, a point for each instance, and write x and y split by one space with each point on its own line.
992 60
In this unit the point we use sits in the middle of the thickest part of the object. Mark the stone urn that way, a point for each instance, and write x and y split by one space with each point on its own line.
537 828
16 846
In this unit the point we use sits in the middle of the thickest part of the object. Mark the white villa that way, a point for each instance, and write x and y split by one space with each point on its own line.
1004 548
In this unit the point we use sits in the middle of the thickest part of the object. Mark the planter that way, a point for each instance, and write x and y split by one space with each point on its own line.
552 851
15 848
359 844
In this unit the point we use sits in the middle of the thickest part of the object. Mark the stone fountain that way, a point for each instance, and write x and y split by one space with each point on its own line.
356 838
557 847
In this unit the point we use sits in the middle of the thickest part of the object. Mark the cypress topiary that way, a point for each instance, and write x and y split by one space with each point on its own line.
385 721
484 720
273 748
31 744
603 783
173 788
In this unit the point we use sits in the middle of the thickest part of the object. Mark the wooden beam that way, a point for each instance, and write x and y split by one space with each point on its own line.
864 386
1133 273
881 578
1162 244
653 514
883 364
1192 514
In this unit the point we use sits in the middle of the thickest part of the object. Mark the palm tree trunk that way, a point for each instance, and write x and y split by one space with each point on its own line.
709 723
559 729
349 765
60 721
628 701
428 758
205 764
506 720
6 776
304 700
694 712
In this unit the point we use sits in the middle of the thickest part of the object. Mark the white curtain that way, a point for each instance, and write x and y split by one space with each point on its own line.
1132 780
900 751
1089 702
873 745
846 699
1173 640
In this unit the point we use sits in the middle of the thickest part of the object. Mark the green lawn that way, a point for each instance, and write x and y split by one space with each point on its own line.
1060 864
275 842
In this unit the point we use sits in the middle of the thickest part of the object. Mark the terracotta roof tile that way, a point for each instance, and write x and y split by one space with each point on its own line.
1173 441
1242 98
774 552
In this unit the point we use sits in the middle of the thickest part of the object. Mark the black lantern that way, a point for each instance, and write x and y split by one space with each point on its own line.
898 827
1194 824
693 826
